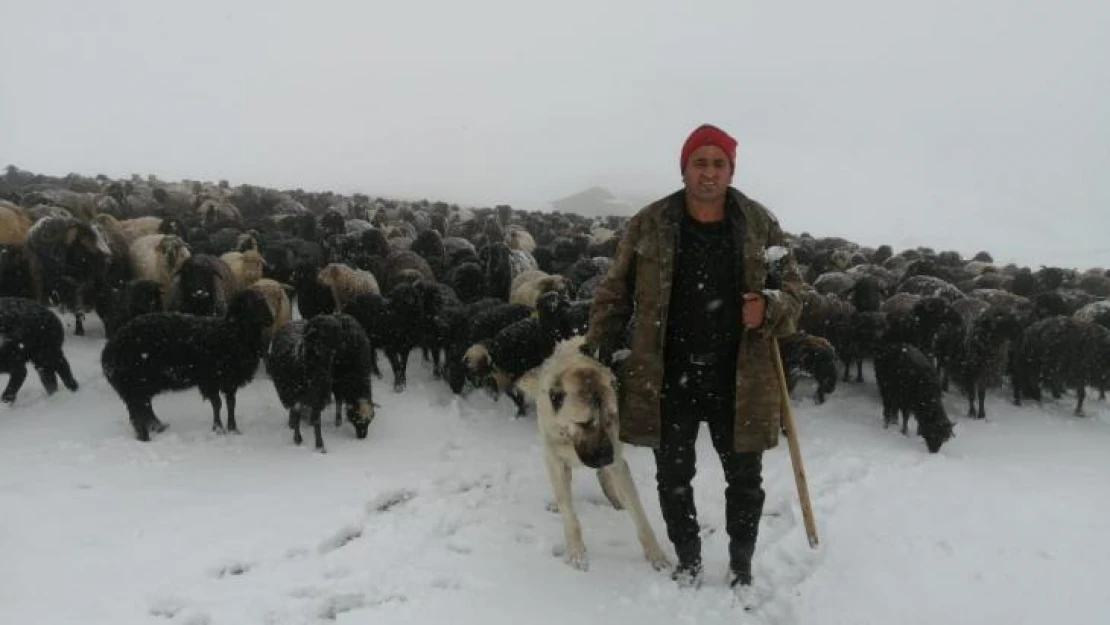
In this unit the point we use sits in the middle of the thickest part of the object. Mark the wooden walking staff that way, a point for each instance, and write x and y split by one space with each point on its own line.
791 429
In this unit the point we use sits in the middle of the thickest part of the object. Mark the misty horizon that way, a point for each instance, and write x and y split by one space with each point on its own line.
946 125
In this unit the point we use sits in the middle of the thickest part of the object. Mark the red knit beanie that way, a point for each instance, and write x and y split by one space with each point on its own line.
708 134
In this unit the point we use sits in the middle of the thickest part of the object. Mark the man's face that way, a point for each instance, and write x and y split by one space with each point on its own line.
708 174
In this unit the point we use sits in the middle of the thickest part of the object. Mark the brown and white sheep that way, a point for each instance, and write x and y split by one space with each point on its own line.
277 296
245 266
14 224
345 283
157 257
133 229
527 292
520 239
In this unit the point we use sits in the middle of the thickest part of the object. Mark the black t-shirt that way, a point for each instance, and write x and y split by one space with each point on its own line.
704 312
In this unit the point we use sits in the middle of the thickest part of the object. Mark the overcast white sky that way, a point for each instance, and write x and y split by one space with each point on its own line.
899 122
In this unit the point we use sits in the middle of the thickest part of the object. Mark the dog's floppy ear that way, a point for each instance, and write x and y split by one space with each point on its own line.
529 384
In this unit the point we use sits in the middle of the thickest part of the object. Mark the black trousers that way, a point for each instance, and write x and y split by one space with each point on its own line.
692 394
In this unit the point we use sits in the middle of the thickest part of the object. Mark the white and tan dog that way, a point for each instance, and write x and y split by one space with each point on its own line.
576 406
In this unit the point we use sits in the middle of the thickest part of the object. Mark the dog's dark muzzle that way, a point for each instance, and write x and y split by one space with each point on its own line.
596 452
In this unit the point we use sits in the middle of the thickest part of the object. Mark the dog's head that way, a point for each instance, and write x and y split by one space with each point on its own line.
578 394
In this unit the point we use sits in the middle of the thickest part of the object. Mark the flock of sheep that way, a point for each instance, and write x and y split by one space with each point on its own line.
196 285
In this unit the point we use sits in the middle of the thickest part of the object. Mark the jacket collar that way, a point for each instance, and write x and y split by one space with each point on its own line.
675 204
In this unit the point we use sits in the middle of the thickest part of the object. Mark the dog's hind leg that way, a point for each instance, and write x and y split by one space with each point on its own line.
621 478
609 490
559 474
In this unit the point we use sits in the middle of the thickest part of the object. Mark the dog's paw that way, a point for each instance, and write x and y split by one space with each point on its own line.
659 560
576 558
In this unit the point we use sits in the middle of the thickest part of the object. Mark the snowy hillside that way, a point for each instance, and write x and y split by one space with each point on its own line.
440 516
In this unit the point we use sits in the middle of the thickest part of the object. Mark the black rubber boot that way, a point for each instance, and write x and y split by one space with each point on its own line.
688 571
740 563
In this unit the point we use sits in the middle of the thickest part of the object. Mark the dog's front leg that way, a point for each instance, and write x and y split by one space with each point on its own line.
620 477
575 549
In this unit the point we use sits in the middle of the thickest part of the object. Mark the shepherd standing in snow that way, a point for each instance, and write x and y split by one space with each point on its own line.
693 276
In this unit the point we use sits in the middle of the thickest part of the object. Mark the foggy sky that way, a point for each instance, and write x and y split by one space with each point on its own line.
965 125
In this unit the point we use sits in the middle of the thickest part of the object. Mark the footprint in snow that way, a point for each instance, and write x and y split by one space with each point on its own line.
331 607
460 548
389 500
167 607
234 568
341 538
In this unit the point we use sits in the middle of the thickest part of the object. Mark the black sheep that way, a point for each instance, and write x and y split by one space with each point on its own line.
312 361
29 331
394 324
313 298
480 321
435 297
525 344
468 281
15 271
169 351
865 330
1060 352
201 286
497 266
908 383
981 359
116 305
866 294
66 256
577 320
813 355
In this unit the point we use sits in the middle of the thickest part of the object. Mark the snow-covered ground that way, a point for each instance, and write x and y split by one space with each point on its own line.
441 516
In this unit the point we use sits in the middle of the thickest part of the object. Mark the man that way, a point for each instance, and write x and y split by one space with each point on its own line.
692 276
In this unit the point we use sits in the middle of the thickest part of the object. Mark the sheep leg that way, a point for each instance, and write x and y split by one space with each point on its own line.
48 378
79 320
295 423
231 425
58 363
859 369
141 415
15 382
1081 393
981 391
971 402
338 411
437 367
847 369
316 430
905 422
217 424
374 363
398 360
518 400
